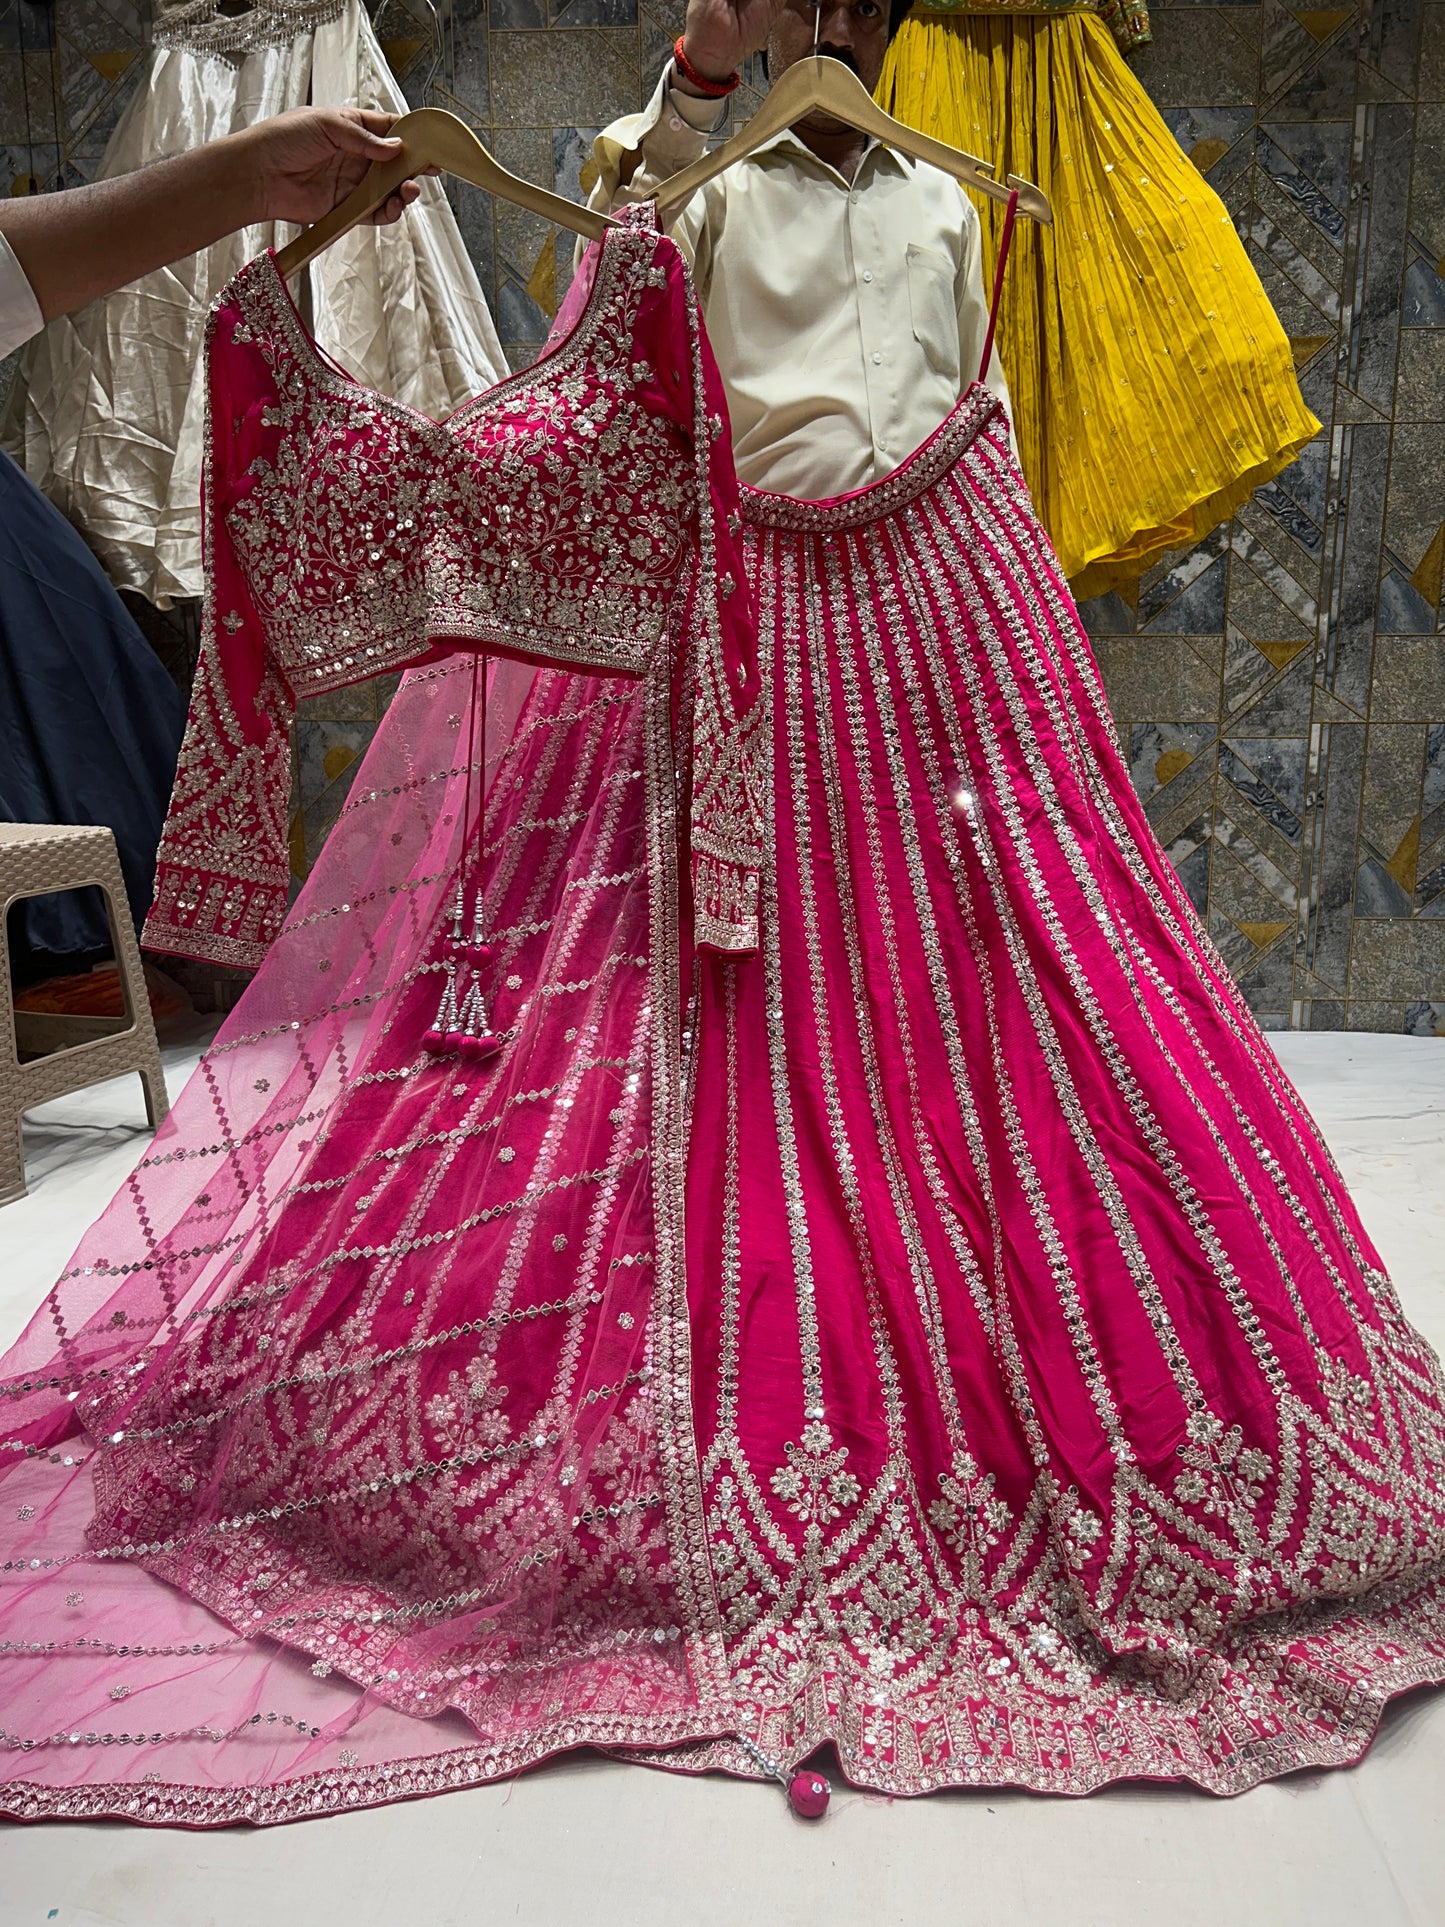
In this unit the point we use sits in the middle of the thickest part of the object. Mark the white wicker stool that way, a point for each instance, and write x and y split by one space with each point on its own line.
36 858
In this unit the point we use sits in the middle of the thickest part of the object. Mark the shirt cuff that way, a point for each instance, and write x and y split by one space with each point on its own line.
702 116
20 315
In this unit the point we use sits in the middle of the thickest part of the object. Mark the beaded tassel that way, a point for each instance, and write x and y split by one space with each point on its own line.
461 1023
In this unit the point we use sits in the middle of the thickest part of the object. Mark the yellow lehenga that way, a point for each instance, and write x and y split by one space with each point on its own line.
1153 386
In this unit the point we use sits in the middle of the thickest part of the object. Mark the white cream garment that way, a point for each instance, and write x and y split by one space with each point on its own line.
20 316
108 412
846 317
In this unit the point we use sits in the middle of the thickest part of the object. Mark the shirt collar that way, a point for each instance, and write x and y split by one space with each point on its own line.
788 140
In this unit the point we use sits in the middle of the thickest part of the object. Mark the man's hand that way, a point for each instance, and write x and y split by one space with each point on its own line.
308 160
719 35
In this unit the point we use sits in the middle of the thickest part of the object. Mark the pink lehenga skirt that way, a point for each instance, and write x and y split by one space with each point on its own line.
943 1334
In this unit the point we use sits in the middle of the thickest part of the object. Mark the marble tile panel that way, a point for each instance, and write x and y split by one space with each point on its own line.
357 703
1161 754
1416 500
584 77
1238 949
1188 800
1401 610
1240 777
1324 1014
465 71
1390 42
1306 480
518 14
1257 846
1246 672
1210 136
1190 855
1370 330
325 752
1278 166
475 212
1278 761
29 98
1282 527
1317 386
1378 893
1266 988
22 161
593 13
1258 611
1185 822
1241 896
1408 684
1191 597
1331 830
1298 314
1432 797
1423 303
1107 615
1157 676
1390 802
659 22
571 153
1427 188
1420 376
1323 86
1321 150
1358 481
1430 74
1430 883
1425 1019
1363 1014
520 234
92 29
25 26
1398 957
131 19
1311 257
1204 60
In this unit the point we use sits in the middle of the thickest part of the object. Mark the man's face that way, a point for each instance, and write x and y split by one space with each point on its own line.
853 31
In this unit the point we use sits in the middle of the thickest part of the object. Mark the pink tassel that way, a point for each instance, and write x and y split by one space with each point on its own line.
461 1025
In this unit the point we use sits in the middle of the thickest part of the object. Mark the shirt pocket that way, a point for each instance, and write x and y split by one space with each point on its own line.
931 304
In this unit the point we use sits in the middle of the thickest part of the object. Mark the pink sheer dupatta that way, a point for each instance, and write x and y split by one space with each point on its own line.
351 1455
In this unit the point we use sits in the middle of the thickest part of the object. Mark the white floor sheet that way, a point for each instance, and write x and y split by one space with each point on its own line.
599 1842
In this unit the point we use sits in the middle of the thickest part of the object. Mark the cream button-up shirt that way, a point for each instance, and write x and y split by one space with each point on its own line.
20 315
846 317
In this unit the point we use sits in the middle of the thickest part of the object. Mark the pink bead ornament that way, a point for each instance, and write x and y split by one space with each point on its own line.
808 1794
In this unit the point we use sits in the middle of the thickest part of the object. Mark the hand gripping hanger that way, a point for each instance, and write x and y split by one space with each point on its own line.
434 140
819 83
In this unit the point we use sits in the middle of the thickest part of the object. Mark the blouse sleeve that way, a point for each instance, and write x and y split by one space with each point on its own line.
222 874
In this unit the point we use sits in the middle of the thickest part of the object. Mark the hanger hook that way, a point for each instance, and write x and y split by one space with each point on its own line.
817 24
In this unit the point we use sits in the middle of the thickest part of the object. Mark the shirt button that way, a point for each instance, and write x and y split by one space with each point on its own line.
867 274
877 361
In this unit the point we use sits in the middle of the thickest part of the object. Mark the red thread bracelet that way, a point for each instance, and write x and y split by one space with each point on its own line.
712 89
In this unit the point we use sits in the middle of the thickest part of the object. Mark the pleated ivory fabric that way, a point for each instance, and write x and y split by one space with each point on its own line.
108 414
1153 387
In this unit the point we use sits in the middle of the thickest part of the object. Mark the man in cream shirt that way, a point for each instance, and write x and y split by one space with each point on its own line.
842 282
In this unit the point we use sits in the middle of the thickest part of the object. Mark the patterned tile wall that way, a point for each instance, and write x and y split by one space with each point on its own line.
1280 689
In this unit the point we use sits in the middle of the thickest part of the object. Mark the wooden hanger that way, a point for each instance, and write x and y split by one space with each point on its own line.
818 82
432 138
